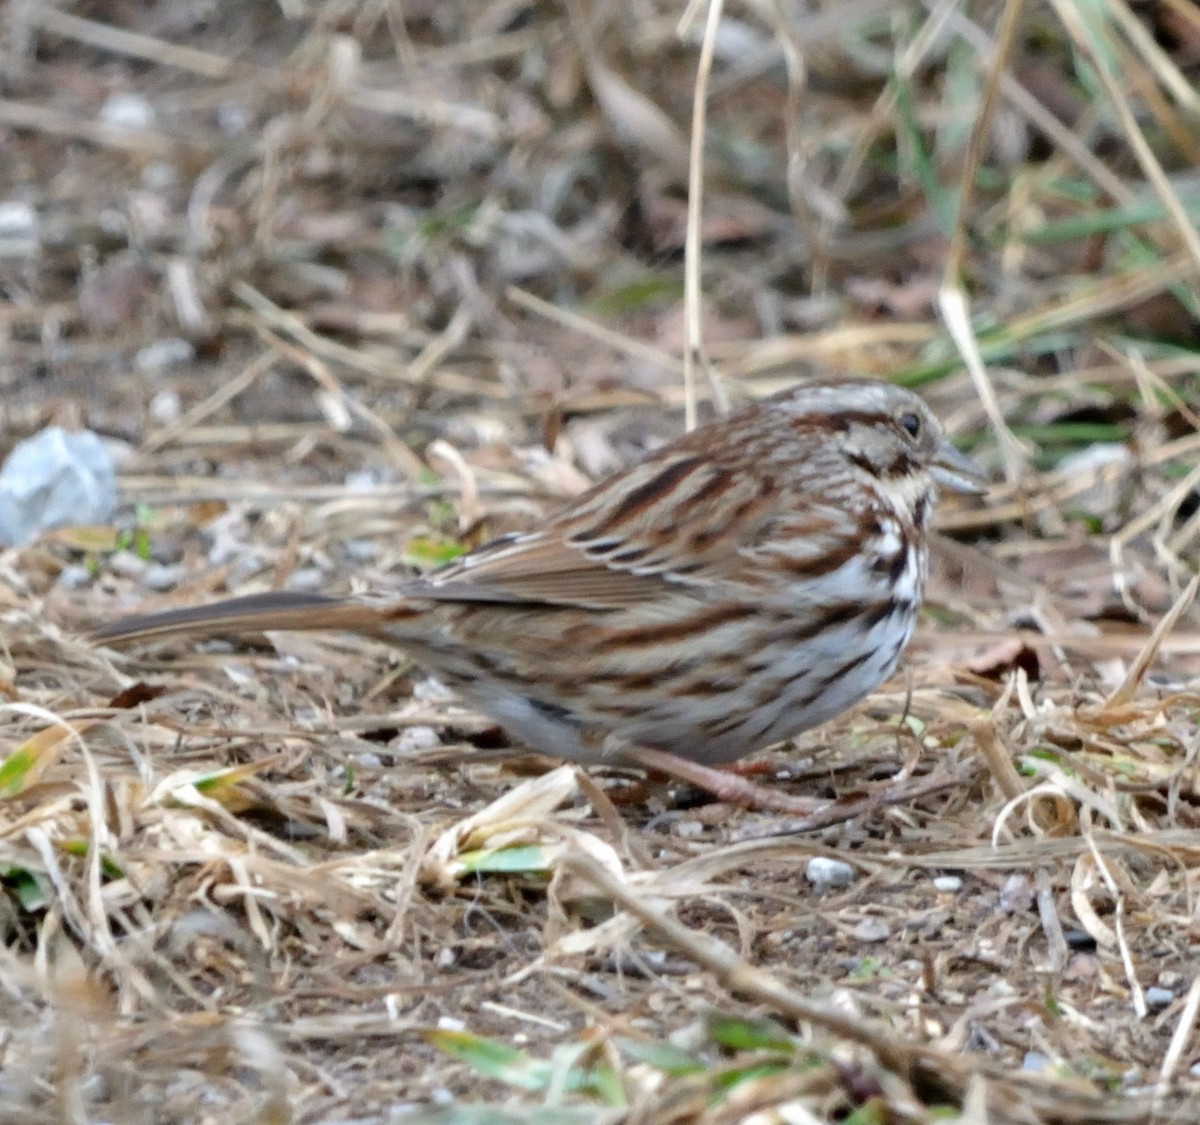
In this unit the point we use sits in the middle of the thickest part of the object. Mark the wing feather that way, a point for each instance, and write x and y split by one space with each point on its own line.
678 521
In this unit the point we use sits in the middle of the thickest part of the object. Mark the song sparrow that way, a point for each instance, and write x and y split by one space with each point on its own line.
741 584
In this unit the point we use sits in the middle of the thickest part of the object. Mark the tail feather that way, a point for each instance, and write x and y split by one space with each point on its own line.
282 610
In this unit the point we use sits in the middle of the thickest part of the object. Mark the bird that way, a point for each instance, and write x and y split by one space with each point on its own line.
743 583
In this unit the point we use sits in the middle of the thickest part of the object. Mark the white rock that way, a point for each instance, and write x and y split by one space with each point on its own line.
19 229
412 739
872 930
171 351
166 408
127 111
1159 997
825 872
55 479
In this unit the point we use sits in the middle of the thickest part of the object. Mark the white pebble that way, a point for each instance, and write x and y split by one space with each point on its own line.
166 408
1159 997
233 118
159 175
948 884
127 111
171 351
18 228
126 564
431 690
872 930
163 577
74 577
308 579
361 550
412 739
825 872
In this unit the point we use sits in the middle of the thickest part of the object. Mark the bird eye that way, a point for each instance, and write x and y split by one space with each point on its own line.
911 422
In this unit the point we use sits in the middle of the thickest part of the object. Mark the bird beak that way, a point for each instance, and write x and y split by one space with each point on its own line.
957 472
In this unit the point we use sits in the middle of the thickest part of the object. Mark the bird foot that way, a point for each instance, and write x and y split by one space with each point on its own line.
727 787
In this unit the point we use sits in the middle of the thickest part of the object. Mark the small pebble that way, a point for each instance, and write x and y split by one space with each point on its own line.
97 1087
127 564
1159 997
431 690
166 408
161 577
412 739
18 219
1034 1061
308 579
369 760
361 480
127 111
872 930
74 577
18 228
173 351
825 872
360 550
159 175
234 118
948 884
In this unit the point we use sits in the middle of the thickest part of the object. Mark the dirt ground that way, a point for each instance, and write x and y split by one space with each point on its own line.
348 288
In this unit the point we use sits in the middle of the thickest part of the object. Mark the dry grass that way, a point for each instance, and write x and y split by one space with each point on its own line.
430 258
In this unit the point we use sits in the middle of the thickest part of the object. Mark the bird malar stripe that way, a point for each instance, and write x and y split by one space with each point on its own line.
895 565
862 462
899 565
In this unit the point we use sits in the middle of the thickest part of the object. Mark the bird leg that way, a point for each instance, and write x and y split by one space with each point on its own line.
727 787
